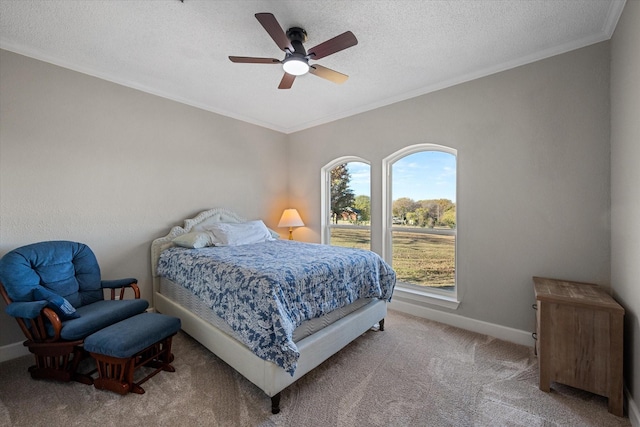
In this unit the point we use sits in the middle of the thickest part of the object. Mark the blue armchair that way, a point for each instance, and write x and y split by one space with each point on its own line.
55 292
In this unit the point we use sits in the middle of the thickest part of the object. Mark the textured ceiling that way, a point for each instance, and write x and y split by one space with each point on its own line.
405 48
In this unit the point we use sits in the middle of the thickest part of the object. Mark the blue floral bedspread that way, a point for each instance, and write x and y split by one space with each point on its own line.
265 290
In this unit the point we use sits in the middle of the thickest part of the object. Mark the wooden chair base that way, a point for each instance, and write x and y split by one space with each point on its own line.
116 374
58 361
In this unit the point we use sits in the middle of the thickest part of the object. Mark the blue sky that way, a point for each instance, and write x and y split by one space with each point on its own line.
419 176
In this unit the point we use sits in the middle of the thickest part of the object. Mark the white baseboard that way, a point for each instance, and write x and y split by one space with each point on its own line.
497 331
13 351
632 409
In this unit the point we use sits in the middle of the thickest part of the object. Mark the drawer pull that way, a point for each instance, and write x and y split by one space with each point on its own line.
534 336
534 306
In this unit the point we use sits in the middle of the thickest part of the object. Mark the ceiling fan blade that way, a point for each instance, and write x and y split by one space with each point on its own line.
270 23
287 81
252 60
327 73
336 44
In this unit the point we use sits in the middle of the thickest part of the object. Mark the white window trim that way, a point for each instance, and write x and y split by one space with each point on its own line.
409 294
448 299
325 188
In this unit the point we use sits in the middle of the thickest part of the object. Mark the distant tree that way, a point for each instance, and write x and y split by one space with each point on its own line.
449 218
342 196
436 209
363 204
443 206
421 217
425 213
431 211
412 218
400 207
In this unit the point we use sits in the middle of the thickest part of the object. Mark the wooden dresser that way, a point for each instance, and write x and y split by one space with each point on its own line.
579 338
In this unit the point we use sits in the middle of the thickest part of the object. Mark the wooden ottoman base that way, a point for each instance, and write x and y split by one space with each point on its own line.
116 374
120 349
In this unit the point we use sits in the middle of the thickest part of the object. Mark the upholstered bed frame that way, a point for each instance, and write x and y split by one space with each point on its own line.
269 377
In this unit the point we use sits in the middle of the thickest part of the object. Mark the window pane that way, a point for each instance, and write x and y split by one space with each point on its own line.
424 198
350 191
350 194
351 237
425 259
424 190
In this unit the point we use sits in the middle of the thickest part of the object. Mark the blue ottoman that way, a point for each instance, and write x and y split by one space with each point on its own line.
123 347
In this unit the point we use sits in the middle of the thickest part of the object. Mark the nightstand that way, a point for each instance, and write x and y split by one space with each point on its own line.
579 338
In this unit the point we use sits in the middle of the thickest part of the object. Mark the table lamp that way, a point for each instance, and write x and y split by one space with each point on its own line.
290 218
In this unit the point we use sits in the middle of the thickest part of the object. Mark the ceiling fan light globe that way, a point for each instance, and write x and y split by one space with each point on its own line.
295 66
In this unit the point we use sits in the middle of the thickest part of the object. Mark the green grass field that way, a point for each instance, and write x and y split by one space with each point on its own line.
421 259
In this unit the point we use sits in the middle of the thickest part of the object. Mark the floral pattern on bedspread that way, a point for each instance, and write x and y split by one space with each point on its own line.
265 290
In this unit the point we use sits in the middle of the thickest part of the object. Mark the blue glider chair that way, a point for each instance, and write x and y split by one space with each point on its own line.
55 292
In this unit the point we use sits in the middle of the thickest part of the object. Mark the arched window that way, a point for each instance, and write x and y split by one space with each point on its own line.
346 203
420 218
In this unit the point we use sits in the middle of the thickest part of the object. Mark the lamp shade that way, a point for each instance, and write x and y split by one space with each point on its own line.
290 218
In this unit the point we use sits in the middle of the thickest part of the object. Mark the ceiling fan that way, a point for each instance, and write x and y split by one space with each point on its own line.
296 59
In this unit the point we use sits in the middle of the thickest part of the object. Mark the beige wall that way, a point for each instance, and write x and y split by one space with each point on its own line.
87 160
533 175
625 186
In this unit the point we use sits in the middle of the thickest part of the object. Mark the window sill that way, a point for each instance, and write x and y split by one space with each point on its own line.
406 294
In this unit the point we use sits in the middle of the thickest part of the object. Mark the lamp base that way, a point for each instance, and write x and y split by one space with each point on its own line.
290 233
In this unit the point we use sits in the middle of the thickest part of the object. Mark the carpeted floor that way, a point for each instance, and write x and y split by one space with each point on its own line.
415 373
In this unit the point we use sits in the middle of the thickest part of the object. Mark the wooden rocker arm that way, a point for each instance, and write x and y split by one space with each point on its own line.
32 322
122 284
35 329
39 326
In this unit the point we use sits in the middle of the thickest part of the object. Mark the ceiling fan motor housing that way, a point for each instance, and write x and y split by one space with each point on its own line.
297 33
297 36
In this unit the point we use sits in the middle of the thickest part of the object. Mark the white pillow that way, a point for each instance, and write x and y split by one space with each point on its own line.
240 233
274 234
195 239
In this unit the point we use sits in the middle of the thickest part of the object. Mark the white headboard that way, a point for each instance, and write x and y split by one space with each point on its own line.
192 224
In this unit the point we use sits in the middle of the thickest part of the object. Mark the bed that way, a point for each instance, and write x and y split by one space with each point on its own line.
247 304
